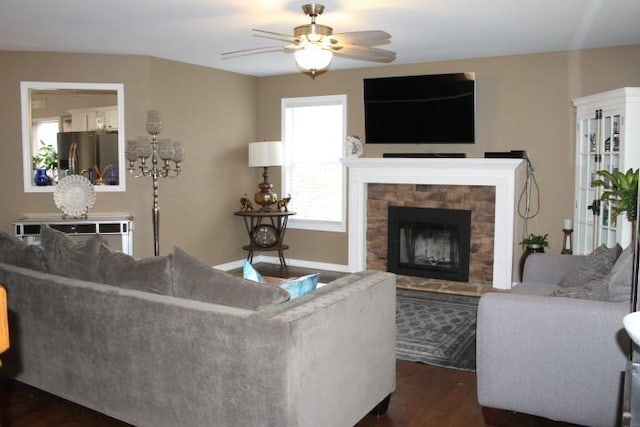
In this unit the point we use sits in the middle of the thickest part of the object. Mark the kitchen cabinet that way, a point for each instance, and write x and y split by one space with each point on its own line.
96 118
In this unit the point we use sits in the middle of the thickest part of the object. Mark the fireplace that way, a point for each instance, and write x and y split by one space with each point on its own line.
368 225
429 242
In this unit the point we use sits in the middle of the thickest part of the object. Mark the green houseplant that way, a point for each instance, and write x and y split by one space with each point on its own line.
536 240
621 188
45 160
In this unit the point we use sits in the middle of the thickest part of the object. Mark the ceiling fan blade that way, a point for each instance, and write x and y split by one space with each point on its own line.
251 51
274 36
292 47
365 38
366 53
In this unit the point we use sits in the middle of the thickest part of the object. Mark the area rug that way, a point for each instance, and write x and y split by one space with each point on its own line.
436 328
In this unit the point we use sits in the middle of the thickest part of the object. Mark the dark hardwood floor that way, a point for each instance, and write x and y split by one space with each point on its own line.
431 396
425 396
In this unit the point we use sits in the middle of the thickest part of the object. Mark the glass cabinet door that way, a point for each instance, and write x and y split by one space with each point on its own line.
598 149
588 130
609 160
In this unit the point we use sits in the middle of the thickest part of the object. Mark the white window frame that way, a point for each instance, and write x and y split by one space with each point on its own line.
308 224
35 143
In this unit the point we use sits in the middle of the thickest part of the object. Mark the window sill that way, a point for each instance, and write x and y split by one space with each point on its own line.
314 225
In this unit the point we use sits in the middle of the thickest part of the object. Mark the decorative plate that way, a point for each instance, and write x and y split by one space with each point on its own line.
355 148
74 195
265 235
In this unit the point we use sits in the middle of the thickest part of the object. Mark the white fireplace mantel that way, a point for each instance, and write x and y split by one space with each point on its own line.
503 174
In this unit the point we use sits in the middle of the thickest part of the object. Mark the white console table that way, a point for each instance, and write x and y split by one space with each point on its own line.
28 228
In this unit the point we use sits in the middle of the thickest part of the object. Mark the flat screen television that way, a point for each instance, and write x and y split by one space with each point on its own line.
435 109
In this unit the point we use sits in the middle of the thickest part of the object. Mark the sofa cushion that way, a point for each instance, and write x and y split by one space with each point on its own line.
302 285
594 266
70 257
620 278
15 251
193 279
152 274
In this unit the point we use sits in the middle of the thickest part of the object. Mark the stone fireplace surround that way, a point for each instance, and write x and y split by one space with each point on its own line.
503 174
479 200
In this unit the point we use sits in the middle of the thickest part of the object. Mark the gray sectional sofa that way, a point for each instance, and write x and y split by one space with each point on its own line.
557 351
177 359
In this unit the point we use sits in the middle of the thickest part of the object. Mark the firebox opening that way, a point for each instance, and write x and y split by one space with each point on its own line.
428 242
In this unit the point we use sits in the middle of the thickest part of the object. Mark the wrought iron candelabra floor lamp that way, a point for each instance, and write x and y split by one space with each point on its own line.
152 149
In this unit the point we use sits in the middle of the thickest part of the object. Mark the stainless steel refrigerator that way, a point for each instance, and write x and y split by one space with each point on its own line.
93 154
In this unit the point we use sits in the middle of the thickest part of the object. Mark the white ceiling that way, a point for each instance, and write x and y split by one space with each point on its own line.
198 31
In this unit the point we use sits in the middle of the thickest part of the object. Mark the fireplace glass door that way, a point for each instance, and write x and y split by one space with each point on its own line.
428 242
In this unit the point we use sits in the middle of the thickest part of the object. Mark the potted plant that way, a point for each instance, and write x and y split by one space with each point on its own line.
44 161
622 189
536 241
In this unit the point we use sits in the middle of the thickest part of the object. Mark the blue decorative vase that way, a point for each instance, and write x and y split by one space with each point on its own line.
41 178
112 175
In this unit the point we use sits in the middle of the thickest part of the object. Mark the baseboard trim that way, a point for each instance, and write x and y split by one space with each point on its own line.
291 262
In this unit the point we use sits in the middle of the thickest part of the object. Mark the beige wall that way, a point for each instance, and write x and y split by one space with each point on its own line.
523 102
215 114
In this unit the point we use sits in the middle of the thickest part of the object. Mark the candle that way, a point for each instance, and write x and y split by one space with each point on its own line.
143 147
131 150
568 224
154 122
178 151
165 149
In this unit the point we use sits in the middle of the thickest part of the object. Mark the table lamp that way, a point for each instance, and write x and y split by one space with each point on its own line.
265 154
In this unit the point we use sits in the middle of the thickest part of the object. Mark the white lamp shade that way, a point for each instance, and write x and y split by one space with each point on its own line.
265 153
313 57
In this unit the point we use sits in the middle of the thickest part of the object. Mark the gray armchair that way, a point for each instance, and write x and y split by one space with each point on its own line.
556 357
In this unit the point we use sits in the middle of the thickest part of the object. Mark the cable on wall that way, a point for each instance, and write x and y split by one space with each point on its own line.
529 190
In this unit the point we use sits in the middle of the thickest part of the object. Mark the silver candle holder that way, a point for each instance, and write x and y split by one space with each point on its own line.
155 158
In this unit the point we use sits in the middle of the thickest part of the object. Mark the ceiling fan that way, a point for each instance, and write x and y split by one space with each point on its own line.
314 45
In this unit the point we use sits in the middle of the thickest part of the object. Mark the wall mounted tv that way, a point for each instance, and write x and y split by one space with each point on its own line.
435 109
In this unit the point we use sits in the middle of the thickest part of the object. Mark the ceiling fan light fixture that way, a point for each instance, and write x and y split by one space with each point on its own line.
313 58
313 45
312 31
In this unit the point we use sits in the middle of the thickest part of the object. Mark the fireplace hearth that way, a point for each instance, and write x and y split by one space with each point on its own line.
429 242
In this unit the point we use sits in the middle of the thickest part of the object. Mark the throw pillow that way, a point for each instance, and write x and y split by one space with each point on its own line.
302 285
70 257
620 280
596 289
152 274
596 265
17 252
193 279
250 273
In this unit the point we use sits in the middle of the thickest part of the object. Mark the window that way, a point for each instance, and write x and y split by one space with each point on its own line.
45 131
313 135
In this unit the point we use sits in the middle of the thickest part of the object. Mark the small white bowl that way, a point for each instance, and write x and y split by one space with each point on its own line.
632 325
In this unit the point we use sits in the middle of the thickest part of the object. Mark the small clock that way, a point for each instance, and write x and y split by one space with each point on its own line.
265 235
